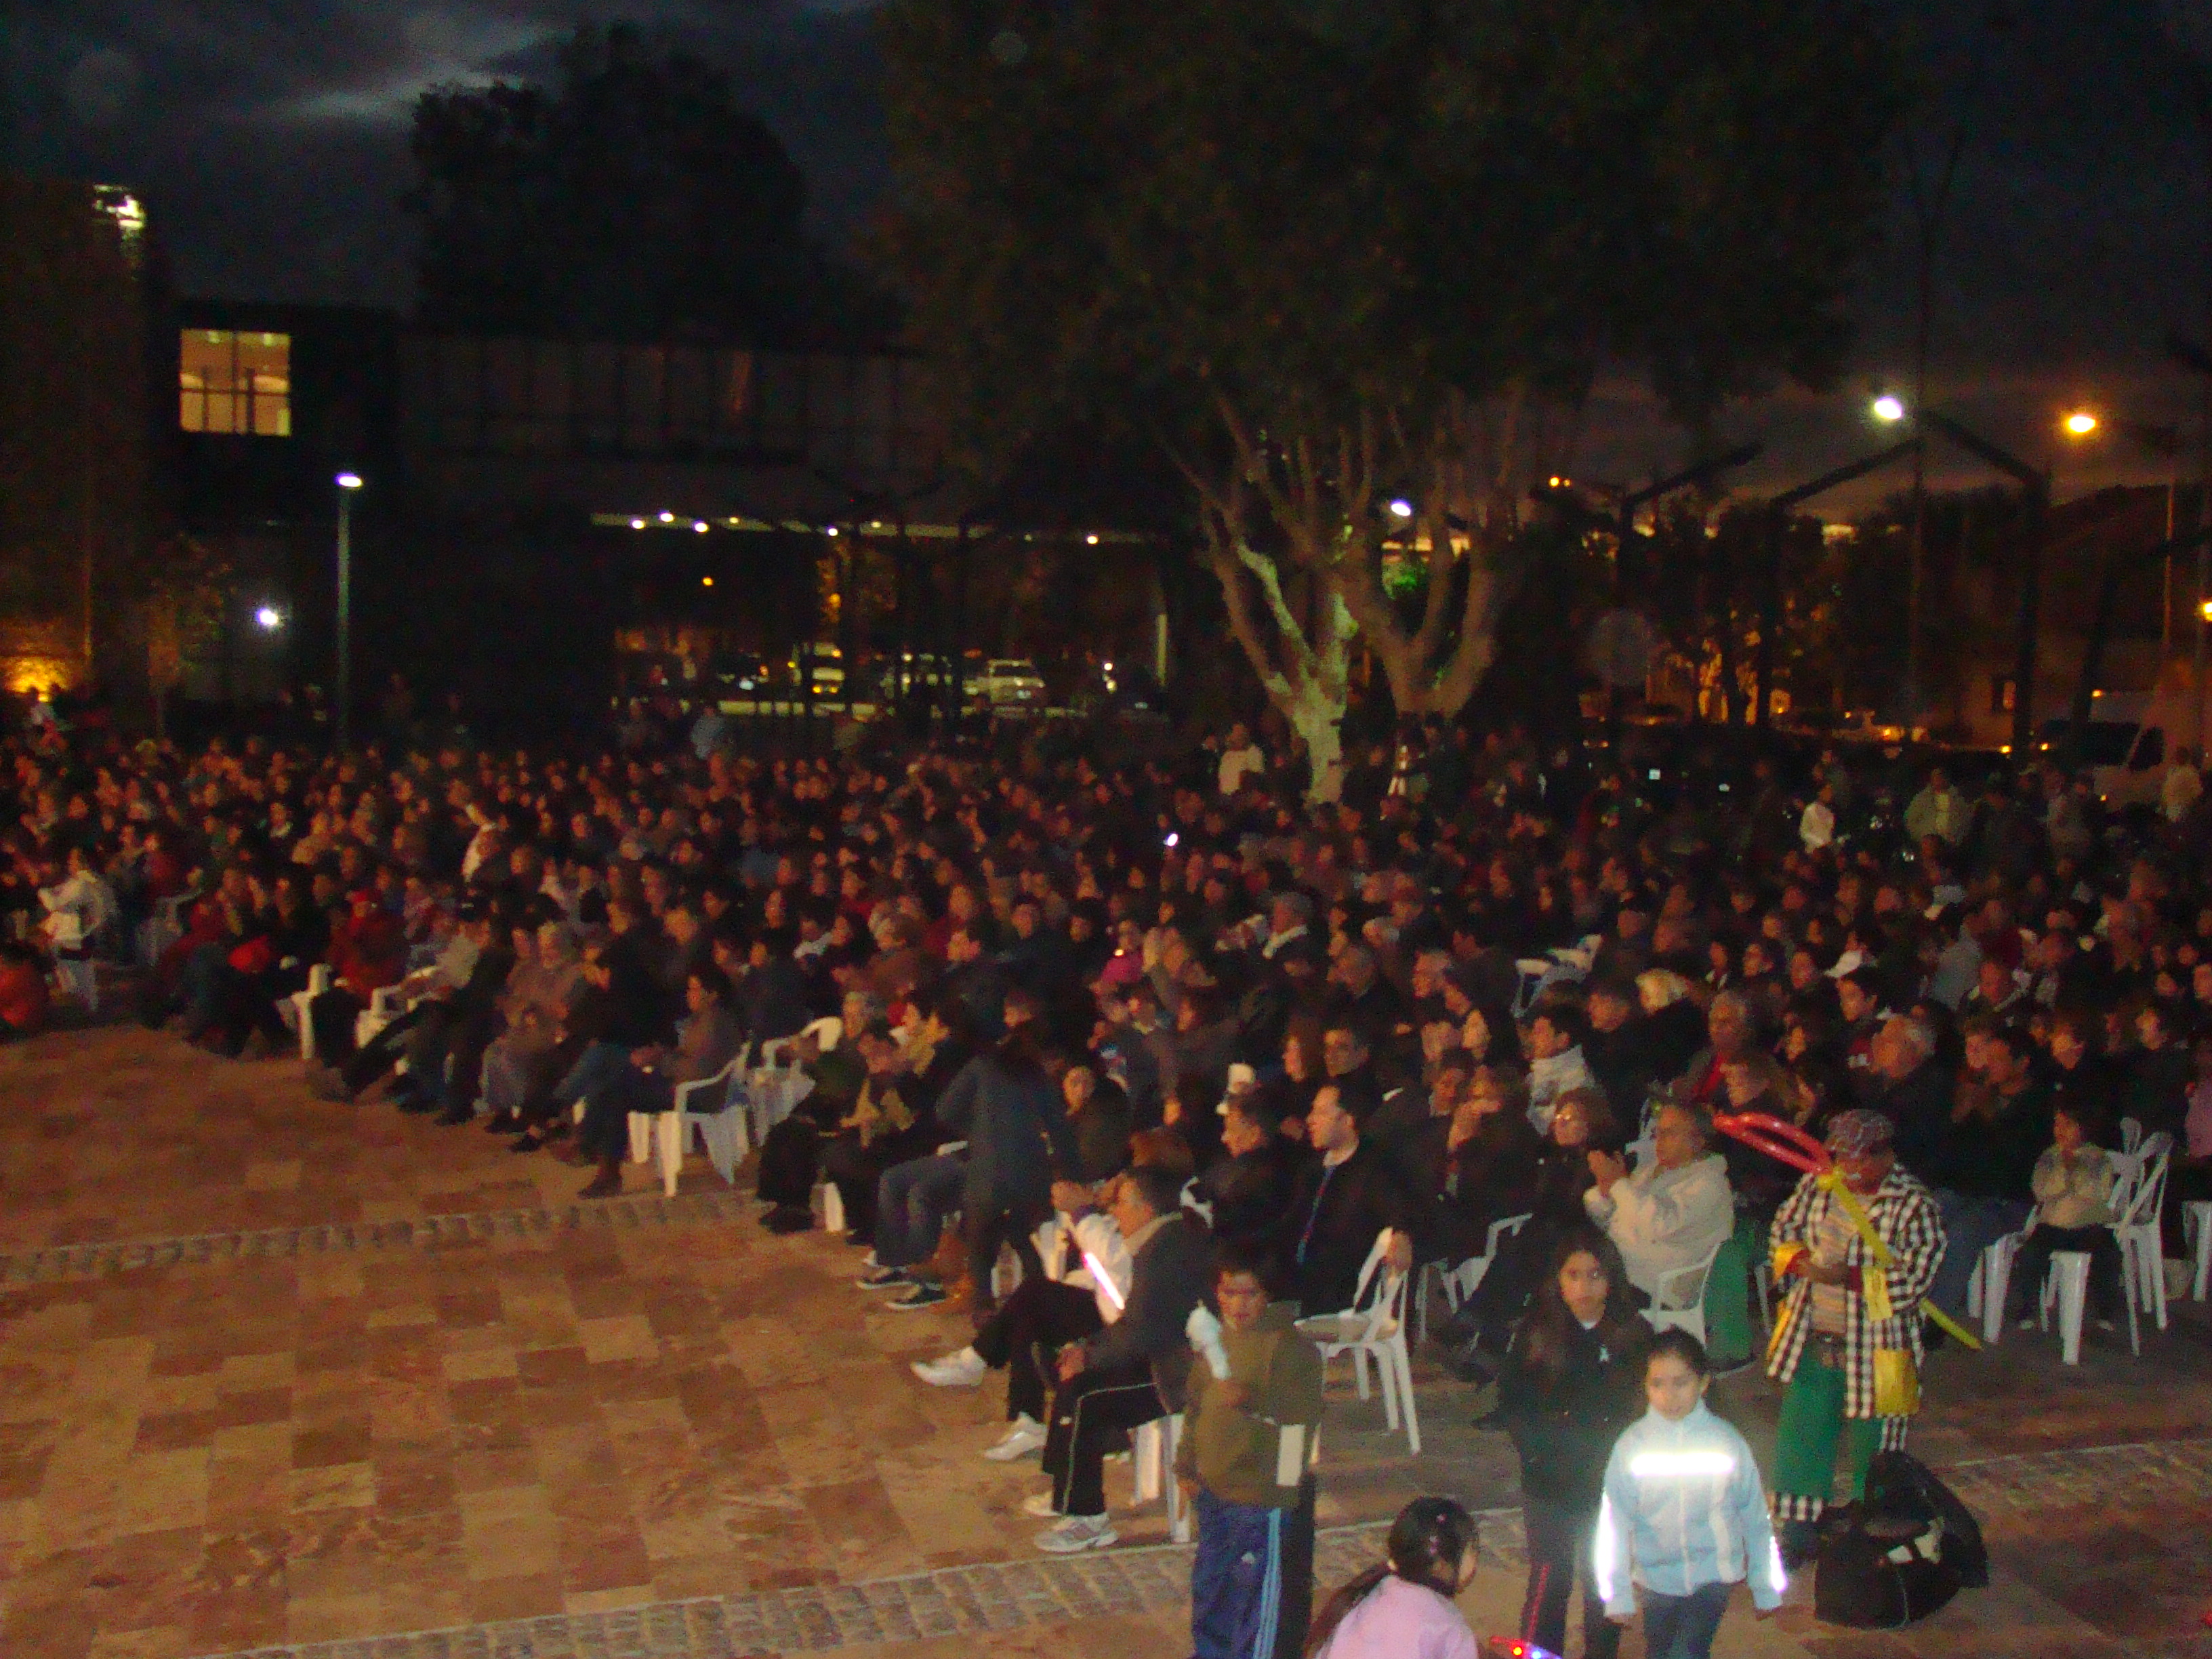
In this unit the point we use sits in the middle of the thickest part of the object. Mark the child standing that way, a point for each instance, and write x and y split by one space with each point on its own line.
1683 1516
1242 1463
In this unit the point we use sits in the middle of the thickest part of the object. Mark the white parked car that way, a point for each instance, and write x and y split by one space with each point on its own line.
1008 683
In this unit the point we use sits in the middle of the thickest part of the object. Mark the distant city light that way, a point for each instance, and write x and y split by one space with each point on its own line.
1090 541
348 481
1887 408
668 518
2081 423
637 524
269 617
831 531
706 581
1402 509
700 526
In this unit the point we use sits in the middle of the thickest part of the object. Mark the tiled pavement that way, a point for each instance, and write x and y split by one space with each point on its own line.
274 1374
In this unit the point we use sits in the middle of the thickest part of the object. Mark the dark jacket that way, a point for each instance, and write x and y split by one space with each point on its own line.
1333 1222
1017 1133
1251 1193
1995 1157
1563 1419
1169 1276
1919 1107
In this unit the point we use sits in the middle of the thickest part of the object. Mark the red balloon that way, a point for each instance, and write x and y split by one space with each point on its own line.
1765 1132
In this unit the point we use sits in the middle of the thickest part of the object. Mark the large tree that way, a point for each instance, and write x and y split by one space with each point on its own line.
1353 265
633 199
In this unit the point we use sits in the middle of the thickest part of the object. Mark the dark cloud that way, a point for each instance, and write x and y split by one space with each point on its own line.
268 138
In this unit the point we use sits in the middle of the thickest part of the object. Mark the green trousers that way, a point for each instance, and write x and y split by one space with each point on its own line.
1812 1428
1729 1338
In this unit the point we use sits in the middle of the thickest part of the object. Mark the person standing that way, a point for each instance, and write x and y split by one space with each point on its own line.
1683 1517
1247 1437
1568 1388
1846 1321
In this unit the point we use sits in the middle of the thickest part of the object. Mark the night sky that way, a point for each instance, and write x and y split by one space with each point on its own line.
269 139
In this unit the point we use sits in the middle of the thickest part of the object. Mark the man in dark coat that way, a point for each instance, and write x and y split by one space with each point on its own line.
1344 1199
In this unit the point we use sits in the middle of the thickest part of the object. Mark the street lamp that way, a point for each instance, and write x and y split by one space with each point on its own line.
1402 509
2080 424
1889 410
349 485
268 618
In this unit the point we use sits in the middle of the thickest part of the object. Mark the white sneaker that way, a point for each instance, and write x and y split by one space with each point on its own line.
963 1369
1076 1532
1040 1506
1024 1437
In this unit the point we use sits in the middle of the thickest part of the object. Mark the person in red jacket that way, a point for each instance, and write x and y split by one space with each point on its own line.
23 996
369 951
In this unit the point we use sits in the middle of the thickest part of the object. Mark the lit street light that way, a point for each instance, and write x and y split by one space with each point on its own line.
268 618
1889 409
349 485
1402 509
2081 423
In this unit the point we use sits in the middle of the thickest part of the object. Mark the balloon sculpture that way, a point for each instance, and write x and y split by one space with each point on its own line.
1765 1132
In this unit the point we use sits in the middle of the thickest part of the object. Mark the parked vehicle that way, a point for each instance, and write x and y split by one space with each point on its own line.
1007 686
825 661
743 674
2124 747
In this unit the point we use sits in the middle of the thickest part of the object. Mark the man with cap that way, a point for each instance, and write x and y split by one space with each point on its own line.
1848 1326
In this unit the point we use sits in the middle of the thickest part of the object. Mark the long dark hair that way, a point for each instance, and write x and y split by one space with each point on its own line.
1428 1541
1542 1338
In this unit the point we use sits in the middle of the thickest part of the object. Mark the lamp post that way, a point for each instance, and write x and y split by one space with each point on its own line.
348 484
2035 484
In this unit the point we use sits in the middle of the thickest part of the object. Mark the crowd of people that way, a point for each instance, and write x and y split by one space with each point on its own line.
1225 1051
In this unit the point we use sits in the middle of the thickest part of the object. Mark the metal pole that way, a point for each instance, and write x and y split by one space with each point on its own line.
2031 604
345 709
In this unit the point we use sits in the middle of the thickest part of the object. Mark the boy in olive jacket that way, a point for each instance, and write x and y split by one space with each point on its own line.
1247 1439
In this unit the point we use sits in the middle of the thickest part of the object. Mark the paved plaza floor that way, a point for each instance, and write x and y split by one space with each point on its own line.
281 1375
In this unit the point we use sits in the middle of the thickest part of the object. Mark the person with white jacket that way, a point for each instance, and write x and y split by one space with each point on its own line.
1043 1315
1683 1516
1671 1213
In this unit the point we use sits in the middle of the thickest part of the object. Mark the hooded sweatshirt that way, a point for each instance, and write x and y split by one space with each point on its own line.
1254 1453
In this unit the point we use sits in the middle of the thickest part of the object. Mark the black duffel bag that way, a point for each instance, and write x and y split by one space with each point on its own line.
1908 1548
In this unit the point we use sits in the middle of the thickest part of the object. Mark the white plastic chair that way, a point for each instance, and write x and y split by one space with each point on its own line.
2068 1286
722 1134
1992 1282
2142 1259
1680 1303
777 1083
293 1010
1154 1445
384 1006
1375 1326
2196 1227
1460 1283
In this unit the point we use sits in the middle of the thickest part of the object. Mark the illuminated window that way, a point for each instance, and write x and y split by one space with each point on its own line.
230 381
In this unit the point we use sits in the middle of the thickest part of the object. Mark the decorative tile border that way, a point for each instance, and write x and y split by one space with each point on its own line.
92 1261
1006 1596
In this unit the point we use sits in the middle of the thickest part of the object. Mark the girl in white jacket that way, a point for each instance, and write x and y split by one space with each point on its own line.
1684 1517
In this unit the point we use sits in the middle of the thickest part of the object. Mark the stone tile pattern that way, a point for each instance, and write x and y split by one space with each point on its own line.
70 1261
989 1599
963 1600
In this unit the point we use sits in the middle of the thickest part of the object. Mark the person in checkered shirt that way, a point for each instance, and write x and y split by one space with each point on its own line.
1825 1344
